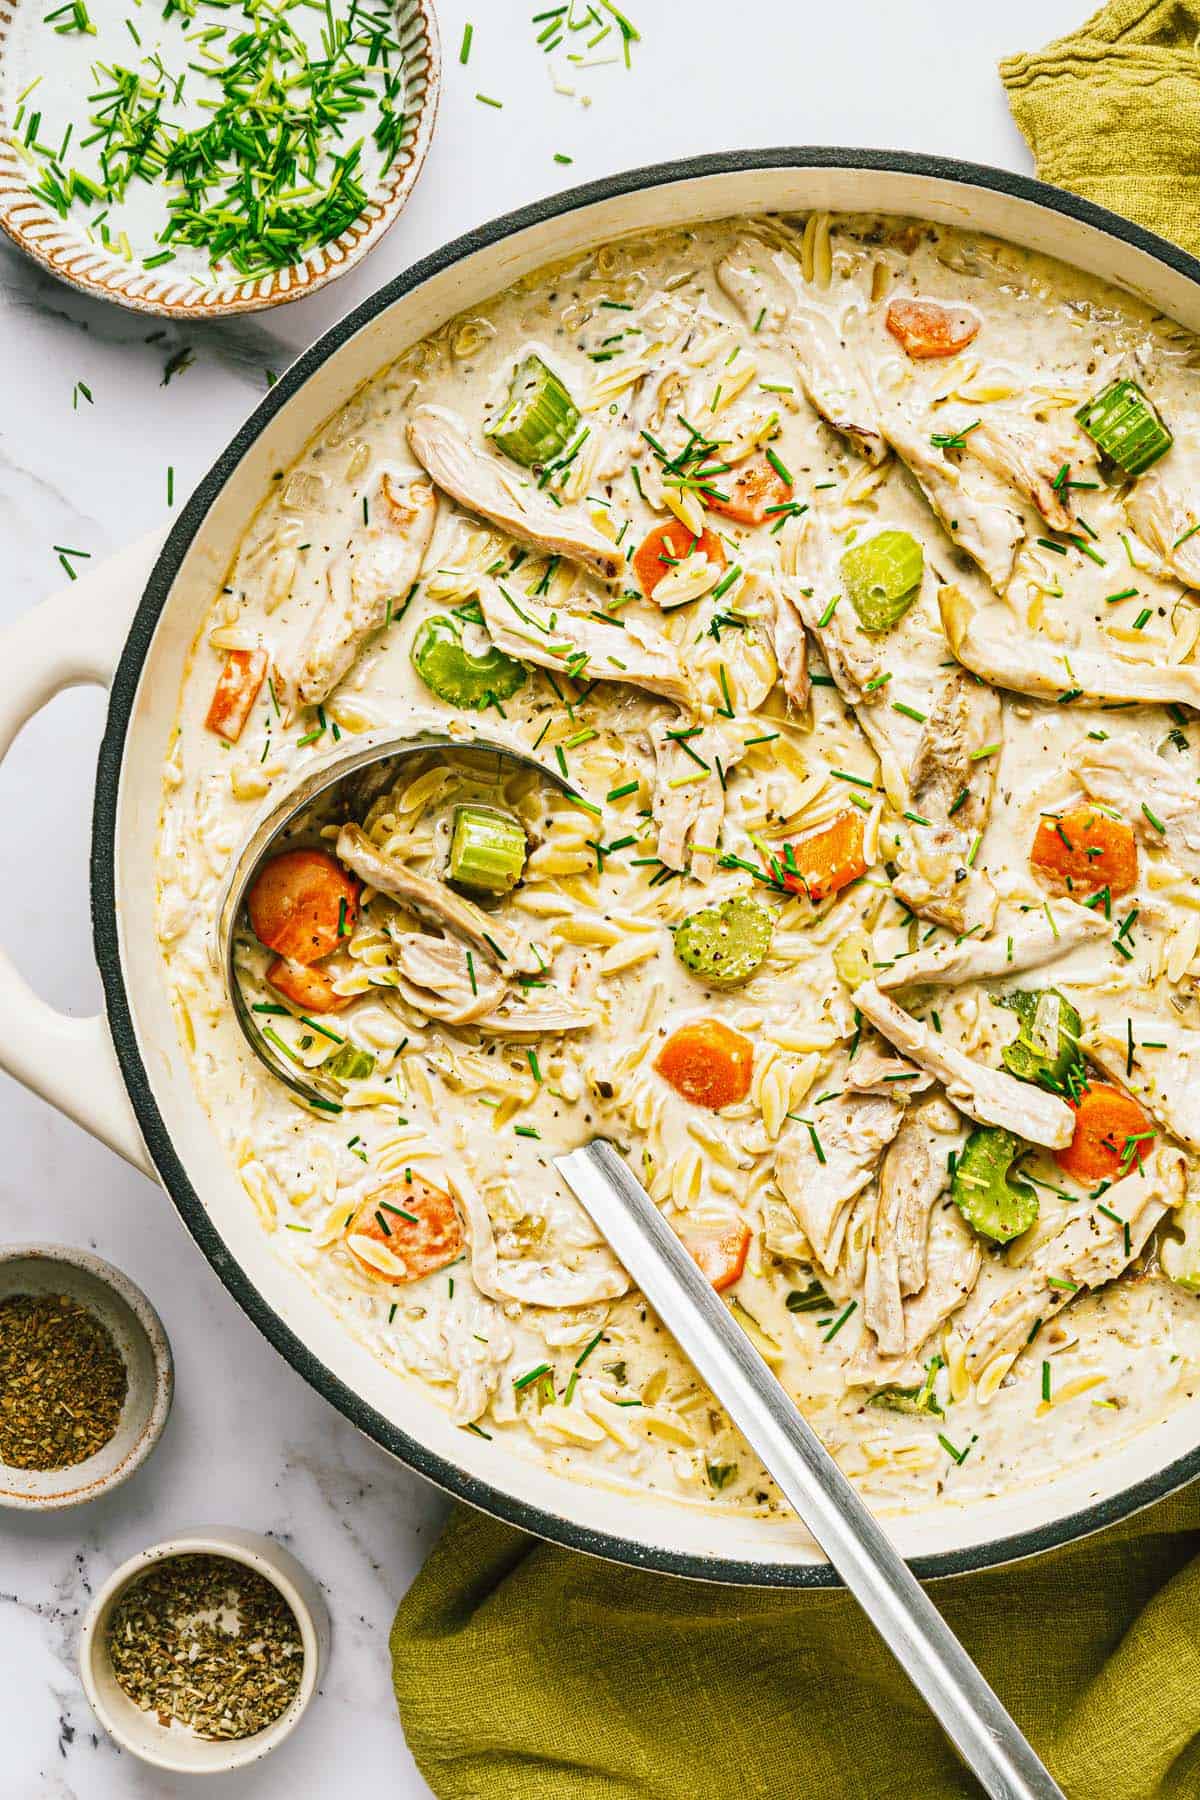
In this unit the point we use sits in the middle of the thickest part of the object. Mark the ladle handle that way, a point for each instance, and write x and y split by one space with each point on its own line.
984 1734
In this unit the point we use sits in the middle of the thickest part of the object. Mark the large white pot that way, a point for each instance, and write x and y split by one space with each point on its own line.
129 625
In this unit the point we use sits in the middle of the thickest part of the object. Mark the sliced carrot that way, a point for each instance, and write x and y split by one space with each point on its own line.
309 989
1112 1132
826 860
668 544
708 1063
756 486
235 693
415 1222
720 1255
926 328
302 905
1083 850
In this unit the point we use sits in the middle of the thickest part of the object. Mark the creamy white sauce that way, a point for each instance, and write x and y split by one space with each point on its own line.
451 1103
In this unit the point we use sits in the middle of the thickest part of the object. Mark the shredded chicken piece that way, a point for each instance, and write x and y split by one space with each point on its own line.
854 659
953 1260
1163 520
852 1130
1032 942
1030 457
590 648
789 642
1027 664
1158 1063
974 511
990 1096
1092 1248
1123 773
935 875
578 1275
378 566
911 1177
689 801
434 901
441 443
875 1072
758 280
441 978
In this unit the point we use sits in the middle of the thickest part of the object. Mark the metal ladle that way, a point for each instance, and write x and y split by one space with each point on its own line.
984 1734
317 782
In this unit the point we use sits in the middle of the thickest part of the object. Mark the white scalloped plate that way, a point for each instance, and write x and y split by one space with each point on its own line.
62 246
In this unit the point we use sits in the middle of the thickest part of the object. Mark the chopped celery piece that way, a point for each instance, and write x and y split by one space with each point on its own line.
852 959
1046 1047
454 673
487 849
350 1064
882 578
725 944
537 423
1180 1256
998 1208
1122 420
913 1399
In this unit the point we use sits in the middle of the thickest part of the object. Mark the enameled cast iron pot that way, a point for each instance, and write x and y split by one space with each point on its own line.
128 626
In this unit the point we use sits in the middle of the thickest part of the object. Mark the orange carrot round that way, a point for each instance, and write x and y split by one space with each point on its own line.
926 328
720 1255
302 905
413 1220
668 544
826 860
708 1063
308 988
757 486
1112 1135
1082 850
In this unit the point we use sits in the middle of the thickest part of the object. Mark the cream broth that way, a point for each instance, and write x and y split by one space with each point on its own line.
725 729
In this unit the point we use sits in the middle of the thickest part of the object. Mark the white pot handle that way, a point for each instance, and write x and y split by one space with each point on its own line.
74 637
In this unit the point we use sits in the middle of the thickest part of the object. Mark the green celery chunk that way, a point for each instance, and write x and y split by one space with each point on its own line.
454 673
996 1207
487 849
852 959
883 577
1180 1255
538 422
1046 1047
350 1064
725 944
1123 421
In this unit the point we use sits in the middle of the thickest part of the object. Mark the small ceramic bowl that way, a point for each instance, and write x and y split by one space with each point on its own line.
174 1747
138 1333
64 248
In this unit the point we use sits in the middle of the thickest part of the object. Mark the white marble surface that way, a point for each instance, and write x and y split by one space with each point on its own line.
248 1442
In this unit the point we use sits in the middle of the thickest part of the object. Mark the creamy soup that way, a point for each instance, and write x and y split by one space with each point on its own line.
842 571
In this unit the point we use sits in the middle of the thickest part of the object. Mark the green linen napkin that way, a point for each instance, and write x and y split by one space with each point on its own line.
1113 112
523 1672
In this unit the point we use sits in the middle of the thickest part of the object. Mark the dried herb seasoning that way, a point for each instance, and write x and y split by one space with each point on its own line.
207 1643
62 1382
